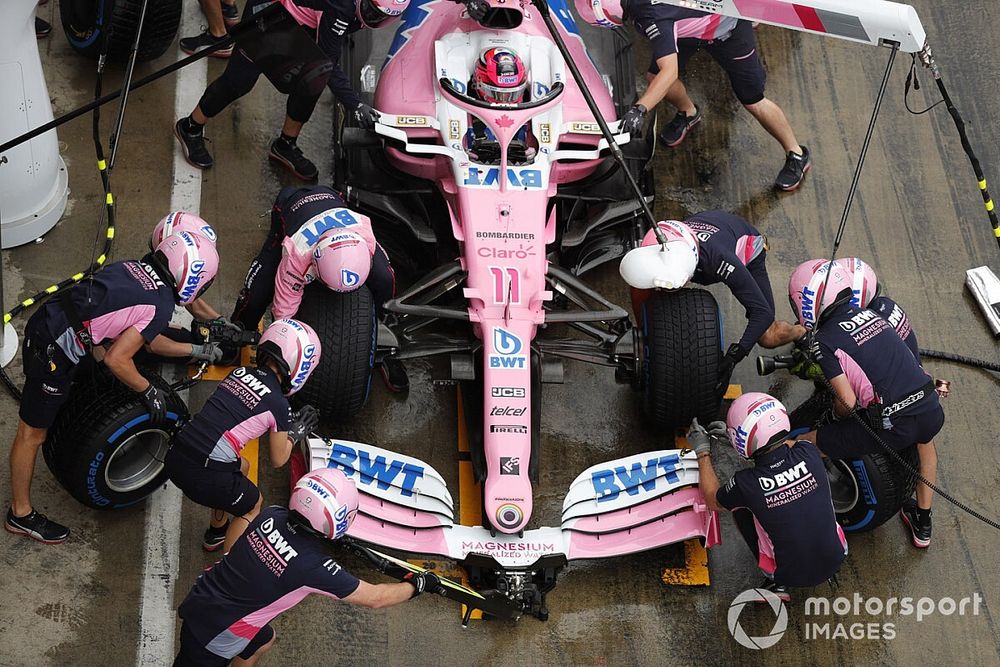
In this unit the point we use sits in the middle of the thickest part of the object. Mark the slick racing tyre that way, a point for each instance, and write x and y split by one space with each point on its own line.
346 326
86 22
869 490
681 352
102 449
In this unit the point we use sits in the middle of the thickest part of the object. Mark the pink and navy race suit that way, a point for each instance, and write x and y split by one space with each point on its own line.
283 268
245 405
269 570
893 313
794 531
119 296
884 375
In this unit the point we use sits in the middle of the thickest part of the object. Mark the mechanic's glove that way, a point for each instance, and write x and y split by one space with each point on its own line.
734 355
633 120
424 581
700 439
303 423
224 321
210 352
477 9
366 116
806 369
156 403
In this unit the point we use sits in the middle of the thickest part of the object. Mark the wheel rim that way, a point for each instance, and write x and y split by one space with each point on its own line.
137 461
843 486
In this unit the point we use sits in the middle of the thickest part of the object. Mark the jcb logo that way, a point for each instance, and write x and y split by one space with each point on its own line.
411 121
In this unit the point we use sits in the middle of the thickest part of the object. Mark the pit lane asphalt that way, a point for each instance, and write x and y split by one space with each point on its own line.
917 218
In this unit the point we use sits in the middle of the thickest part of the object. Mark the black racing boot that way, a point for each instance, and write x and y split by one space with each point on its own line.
214 537
677 129
289 155
193 144
36 526
191 45
779 591
791 175
919 523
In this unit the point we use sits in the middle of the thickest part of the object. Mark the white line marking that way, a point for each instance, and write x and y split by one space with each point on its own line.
163 509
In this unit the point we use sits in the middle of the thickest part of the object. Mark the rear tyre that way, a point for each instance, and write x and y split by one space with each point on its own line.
102 449
682 347
346 326
867 491
85 23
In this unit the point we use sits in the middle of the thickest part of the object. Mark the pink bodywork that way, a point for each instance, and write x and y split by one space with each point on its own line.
502 229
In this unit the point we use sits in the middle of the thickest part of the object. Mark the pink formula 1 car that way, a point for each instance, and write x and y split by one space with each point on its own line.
495 242
494 245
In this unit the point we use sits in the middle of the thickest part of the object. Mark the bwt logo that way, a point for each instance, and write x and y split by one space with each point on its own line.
349 278
378 469
320 491
505 342
740 436
518 178
783 478
308 359
340 521
808 307
763 407
608 484
858 320
208 232
193 280
273 536
509 350
336 219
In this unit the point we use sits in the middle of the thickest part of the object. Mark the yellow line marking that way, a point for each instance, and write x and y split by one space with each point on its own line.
695 570
470 501
251 452
734 392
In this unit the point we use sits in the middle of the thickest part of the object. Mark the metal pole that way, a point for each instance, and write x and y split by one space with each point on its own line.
616 151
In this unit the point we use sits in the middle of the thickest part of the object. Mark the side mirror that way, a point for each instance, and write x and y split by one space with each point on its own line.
667 266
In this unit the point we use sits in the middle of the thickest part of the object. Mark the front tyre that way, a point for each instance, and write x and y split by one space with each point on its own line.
682 349
102 449
346 326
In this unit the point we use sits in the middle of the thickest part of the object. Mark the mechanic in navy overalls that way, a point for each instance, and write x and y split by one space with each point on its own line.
123 306
878 383
283 557
314 236
331 21
677 33
204 459
730 250
782 505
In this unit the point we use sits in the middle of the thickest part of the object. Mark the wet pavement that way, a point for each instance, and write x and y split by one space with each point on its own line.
917 218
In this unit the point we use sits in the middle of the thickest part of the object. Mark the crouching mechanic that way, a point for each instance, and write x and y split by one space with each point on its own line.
782 505
315 236
125 304
204 460
282 558
881 393
716 246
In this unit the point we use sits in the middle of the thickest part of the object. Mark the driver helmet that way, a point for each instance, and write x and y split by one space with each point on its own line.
682 244
815 287
342 261
376 13
500 76
601 13
754 421
181 221
192 261
325 501
864 282
294 348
